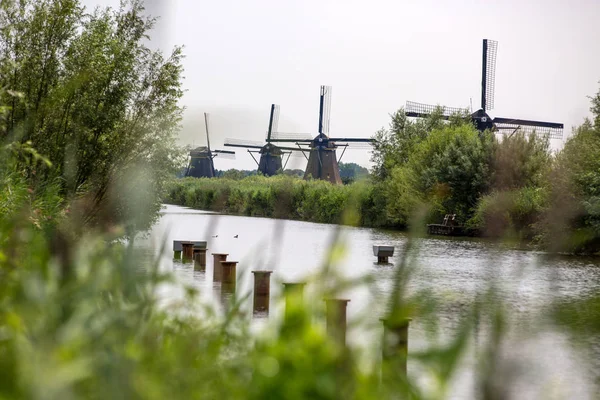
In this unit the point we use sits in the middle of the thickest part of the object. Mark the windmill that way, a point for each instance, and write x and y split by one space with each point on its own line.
201 158
480 118
271 155
322 161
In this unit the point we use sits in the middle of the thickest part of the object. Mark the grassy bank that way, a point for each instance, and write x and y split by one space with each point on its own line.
280 197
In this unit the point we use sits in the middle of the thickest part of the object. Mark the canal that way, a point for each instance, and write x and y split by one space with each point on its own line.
452 272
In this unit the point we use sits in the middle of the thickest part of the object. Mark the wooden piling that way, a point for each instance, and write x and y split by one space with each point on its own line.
383 253
262 291
228 277
177 249
188 251
336 319
200 258
217 269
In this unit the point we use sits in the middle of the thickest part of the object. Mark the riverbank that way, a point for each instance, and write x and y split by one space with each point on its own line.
282 197
518 217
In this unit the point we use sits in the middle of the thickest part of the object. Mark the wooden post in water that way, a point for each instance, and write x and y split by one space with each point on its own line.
188 251
228 283
395 347
262 291
200 258
336 319
217 268
177 249
228 277
383 253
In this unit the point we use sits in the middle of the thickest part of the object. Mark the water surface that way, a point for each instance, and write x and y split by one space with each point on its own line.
455 271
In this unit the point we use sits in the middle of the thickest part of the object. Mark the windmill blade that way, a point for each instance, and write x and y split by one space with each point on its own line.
244 146
324 109
421 110
359 145
273 121
206 116
290 137
296 154
353 140
294 149
224 154
488 74
243 143
552 130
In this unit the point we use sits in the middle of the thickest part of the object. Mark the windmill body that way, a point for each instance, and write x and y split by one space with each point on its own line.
481 119
323 162
271 155
270 160
201 163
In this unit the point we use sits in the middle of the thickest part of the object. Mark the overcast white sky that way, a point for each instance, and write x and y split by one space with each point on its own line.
243 55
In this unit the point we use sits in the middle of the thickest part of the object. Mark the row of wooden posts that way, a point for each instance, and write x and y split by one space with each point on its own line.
395 339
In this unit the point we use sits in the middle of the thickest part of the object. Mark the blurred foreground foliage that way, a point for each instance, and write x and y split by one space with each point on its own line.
84 90
81 316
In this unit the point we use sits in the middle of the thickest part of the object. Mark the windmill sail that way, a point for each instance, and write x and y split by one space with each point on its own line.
273 121
206 116
488 74
249 144
270 154
322 160
325 109
224 154
552 130
290 137
480 118
421 110
201 158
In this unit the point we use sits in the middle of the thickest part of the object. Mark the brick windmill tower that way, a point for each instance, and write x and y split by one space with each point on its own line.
201 158
323 160
271 156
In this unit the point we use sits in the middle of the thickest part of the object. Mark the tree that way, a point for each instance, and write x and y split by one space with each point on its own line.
449 170
350 172
393 146
572 219
518 190
96 101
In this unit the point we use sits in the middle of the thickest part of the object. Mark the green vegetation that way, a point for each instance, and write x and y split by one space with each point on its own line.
511 188
277 197
351 172
80 319
84 91
87 118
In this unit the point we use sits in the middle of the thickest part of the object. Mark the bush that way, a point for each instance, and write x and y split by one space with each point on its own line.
510 214
279 197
